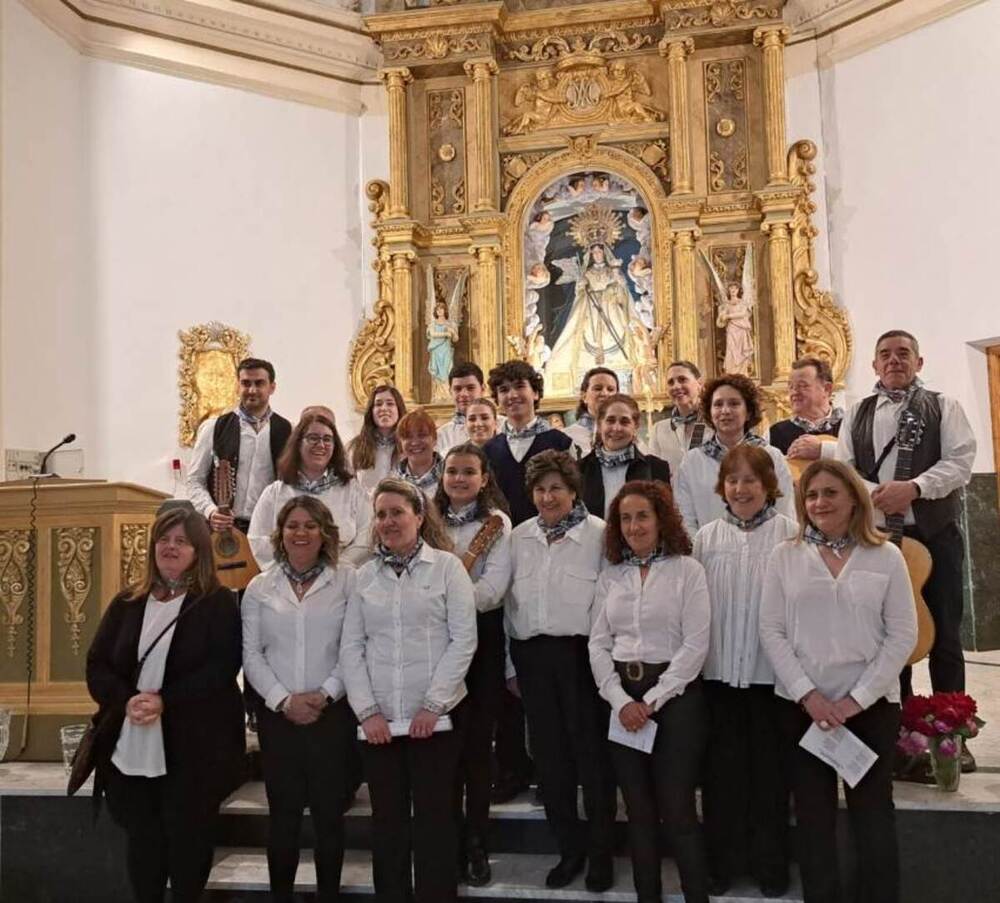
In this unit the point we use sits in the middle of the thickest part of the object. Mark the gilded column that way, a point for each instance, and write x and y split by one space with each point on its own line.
686 340
484 173
677 53
772 40
487 305
402 296
779 256
396 81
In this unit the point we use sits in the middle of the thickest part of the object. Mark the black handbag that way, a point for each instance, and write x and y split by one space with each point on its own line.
85 758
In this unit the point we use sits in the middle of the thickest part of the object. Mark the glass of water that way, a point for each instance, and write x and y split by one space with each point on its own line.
4 732
71 735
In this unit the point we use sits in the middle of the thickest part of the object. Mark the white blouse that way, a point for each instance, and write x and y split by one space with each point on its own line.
348 503
553 587
662 620
139 750
694 489
582 436
671 444
408 640
846 635
292 645
613 479
735 561
491 572
370 478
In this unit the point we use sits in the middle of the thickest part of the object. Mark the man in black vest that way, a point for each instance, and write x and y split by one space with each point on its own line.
810 391
929 498
251 438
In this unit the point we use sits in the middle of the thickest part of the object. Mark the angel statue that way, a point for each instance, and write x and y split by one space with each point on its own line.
443 320
597 330
735 315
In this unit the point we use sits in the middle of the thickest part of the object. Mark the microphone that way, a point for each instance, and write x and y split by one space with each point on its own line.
69 437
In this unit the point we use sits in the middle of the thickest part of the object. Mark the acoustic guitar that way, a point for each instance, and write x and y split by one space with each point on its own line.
483 541
797 466
234 562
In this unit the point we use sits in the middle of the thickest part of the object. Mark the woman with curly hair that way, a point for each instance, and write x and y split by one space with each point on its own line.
731 404
647 646
293 615
373 452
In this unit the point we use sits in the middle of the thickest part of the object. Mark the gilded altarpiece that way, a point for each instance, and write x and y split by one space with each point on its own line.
613 180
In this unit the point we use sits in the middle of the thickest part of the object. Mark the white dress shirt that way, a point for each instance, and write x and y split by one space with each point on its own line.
582 436
694 489
348 503
846 635
449 435
139 750
408 640
553 586
958 448
735 561
613 479
491 572
519 447
254 472
371 477
662 620
671 444
292 645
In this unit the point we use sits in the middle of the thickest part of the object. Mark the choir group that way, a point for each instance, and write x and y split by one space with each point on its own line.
663 617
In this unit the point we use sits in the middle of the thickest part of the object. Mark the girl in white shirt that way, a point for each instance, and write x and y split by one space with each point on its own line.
313 463
837 622
373 452
408 640
731 403
293 615
474 515
744 797
556 559
647 646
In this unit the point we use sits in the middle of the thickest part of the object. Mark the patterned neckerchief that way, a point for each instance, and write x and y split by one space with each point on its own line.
677 419
535 428
898 395
300 578
458 418
823 425
751 523
321 484
383 441
425 481
464 515
613 459
255 422
819 538
577 515
717 451
629 557
175 586
399 563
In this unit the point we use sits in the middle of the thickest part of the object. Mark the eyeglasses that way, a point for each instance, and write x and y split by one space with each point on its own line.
315 439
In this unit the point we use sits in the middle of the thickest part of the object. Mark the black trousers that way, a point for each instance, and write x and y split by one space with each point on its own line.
870 809
745 793
170 829
485 684
511 742
306 765
659 791
568 724
419 774
943 594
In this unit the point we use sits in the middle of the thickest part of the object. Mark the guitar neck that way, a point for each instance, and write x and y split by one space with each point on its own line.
904 468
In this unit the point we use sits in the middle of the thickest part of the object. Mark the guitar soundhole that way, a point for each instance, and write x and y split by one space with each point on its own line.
226 545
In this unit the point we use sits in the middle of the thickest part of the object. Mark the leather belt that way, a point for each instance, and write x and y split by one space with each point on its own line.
637 672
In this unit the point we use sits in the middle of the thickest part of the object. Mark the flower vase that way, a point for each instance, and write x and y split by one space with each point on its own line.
946 762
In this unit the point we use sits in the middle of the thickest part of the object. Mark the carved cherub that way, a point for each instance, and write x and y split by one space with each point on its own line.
542 101
624 84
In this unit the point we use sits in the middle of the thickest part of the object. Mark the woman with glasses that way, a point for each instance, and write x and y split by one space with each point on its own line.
162 669
314 463
373 452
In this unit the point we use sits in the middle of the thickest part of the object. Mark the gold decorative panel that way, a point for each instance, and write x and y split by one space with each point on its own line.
75 549
446 151
134 554
14 547
726 125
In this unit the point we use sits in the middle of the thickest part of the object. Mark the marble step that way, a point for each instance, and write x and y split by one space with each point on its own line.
241 875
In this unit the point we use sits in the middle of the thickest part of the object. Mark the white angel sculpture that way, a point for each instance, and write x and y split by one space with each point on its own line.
736 303
443 321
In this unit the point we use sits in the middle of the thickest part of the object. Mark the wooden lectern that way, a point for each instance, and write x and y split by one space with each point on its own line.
91 540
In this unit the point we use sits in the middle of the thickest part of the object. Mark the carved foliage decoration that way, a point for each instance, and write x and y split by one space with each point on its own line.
75 548
14 545
582 88
207 374
721 14
550 47
437 47
726 124
821 327
134 554
446 135
655 154
513 167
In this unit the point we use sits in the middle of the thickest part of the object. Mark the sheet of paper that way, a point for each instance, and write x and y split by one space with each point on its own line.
641 739
402 728
841 750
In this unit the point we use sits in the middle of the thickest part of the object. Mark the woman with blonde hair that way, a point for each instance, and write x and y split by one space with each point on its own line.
837 622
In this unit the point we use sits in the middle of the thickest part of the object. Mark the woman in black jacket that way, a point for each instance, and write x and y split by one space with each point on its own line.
162 669
615 459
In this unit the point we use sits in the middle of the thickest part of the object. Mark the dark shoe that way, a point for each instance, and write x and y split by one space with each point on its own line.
968 761
565 871
506 789
538 798
600 874
718 885
774 886
477 867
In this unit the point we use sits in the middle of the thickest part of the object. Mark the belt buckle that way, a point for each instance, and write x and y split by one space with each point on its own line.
634 671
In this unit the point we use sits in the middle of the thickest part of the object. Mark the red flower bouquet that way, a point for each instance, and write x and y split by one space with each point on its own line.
939 724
